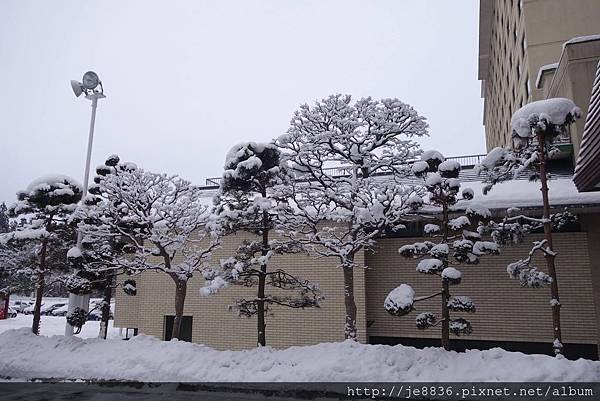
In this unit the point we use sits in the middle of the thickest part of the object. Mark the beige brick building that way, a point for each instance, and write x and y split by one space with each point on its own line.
507 315
520 42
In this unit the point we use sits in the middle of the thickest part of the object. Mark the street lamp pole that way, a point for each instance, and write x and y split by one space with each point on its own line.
89 85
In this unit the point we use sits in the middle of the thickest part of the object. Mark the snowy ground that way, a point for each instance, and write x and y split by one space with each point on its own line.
55 326
145 358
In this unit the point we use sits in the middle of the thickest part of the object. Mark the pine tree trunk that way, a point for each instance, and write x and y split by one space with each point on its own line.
445 289
35 327
350 331
445 315
260 305
106 307
180 292
550 256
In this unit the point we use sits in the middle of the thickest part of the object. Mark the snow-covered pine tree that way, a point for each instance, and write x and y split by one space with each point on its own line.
18 263
252 198
4 221
96 263
457 241
43 210
337 149
535 128
159 219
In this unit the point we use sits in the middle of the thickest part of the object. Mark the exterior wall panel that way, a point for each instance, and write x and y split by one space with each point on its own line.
505 311
216 326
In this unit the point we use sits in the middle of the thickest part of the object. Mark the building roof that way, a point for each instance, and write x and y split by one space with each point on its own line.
587 170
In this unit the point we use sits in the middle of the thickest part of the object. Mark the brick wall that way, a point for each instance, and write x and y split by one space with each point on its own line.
505 311
216 326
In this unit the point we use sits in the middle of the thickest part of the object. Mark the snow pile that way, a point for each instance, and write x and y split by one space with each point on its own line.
459 222
433 179
60 183
430 266
400 300
555 111
55 325
439 251
449 166
414 202
520 193
149 359
451 273
485 247
493 158
479 211
433 155
431 229
74 253
419 167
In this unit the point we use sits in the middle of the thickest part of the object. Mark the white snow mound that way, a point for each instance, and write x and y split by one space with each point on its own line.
147 358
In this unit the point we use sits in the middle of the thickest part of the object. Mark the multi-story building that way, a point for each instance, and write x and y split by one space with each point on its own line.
520 43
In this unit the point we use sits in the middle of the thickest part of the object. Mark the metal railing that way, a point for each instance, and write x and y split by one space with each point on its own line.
465 161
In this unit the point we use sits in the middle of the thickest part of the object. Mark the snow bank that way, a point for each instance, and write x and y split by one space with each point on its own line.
146 358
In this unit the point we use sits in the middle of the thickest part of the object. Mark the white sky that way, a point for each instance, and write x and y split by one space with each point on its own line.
186 80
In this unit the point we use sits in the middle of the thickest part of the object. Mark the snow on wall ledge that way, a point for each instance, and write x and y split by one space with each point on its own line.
146 358
522 193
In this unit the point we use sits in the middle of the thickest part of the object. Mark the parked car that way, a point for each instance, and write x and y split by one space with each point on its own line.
47 309
12 312
29 310
19 305
61 311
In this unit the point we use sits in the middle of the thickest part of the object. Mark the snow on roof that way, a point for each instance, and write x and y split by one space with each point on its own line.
555 110
579 39
542 70
514 193
522 193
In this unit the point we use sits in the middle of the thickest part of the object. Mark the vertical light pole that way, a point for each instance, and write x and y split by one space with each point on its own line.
92 87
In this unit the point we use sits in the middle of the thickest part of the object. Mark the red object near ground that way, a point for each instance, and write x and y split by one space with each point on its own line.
3 306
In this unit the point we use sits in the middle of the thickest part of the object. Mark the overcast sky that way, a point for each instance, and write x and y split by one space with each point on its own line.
186 80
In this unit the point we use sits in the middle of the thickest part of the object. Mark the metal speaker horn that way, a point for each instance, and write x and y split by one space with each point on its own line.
77 87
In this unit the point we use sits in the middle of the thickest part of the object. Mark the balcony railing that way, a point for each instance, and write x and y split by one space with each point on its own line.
466 162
